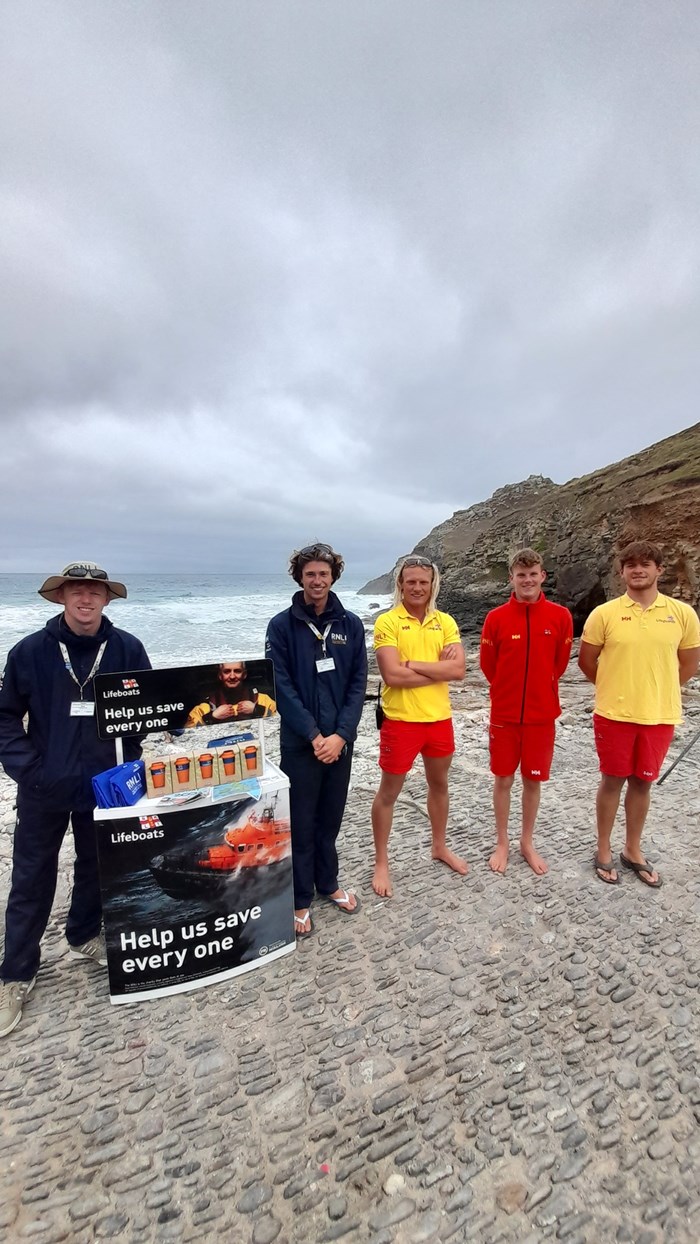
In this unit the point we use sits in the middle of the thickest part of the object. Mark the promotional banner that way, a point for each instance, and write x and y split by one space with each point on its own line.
147 701
197 890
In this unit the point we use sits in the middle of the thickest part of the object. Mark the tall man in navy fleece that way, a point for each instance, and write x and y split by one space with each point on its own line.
49 679
320 658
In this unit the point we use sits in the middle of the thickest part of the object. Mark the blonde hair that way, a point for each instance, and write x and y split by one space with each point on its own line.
422 563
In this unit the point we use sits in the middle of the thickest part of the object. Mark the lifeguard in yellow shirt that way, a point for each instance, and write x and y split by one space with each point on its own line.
639 650
418 652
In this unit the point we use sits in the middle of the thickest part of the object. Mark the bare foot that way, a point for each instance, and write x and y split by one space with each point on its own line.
381 882
499 859
453 861
534 859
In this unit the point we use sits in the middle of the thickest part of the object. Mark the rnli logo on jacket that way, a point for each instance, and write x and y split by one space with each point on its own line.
337 638
669 619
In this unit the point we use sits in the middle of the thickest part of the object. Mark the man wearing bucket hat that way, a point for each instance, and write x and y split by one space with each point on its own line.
49 680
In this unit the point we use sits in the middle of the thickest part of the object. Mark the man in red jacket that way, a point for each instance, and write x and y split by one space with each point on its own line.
525 648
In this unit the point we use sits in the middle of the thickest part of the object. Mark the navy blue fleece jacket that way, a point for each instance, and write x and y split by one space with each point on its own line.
58 755
312 702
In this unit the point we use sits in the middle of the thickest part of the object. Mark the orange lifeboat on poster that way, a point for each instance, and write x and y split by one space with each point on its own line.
259 842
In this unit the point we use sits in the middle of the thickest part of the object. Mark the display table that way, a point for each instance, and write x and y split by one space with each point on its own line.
196 888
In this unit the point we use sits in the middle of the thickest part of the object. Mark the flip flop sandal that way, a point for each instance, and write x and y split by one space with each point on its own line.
639 869
344 898
300 926
606 868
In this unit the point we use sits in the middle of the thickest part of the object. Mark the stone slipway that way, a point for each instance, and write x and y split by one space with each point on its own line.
482 1059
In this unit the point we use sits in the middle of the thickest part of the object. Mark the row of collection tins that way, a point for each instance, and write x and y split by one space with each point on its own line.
166 775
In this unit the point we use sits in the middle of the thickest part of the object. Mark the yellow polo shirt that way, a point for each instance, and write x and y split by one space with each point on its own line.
637 678
416 641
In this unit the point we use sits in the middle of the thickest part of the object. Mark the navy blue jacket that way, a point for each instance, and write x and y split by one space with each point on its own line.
59 755
310 702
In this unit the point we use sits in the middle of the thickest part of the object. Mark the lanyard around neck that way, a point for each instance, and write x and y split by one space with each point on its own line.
71 671
323 637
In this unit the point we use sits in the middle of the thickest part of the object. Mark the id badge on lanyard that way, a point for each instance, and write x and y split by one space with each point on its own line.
82 708
324 663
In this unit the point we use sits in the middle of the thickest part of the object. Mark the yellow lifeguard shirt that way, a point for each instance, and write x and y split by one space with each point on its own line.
637 678
416 641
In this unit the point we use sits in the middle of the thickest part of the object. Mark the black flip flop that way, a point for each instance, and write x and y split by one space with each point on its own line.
606 868
639 869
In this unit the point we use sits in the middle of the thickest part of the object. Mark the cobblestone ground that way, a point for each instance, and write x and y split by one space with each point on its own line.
482 1058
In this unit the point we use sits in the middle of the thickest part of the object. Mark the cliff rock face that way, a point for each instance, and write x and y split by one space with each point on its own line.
577 527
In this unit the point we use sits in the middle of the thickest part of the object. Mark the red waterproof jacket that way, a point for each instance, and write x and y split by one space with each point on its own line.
524 651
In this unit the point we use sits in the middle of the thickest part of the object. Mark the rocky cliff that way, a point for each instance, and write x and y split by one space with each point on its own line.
577 527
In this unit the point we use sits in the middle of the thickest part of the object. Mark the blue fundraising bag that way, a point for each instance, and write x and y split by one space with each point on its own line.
121 786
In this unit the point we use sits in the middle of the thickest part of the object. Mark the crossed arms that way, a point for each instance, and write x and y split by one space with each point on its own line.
409 674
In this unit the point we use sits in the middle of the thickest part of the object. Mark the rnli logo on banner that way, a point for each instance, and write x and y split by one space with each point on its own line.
150 822
129 684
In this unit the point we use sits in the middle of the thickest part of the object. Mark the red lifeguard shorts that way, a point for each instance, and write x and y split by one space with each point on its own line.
531 747
627 749
401 741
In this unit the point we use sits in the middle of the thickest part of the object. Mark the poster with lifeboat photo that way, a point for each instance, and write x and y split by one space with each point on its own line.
196 876
196 892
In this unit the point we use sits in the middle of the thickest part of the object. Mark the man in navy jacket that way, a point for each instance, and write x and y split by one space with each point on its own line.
49 680
320 661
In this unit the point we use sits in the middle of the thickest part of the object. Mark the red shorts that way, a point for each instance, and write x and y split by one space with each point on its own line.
627 749
401 741
531 747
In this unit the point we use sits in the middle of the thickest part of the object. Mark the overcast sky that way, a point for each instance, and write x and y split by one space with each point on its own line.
273 272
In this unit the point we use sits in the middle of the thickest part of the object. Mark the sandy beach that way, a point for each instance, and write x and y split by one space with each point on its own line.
483 1058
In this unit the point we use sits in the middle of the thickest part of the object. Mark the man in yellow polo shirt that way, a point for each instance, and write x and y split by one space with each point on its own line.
638 650
418 652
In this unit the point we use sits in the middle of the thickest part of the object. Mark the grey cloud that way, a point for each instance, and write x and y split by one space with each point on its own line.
331 266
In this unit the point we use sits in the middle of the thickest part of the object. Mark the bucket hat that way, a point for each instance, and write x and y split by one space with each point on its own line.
73 573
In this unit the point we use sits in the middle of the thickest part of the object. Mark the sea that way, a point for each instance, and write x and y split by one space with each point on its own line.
181 619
